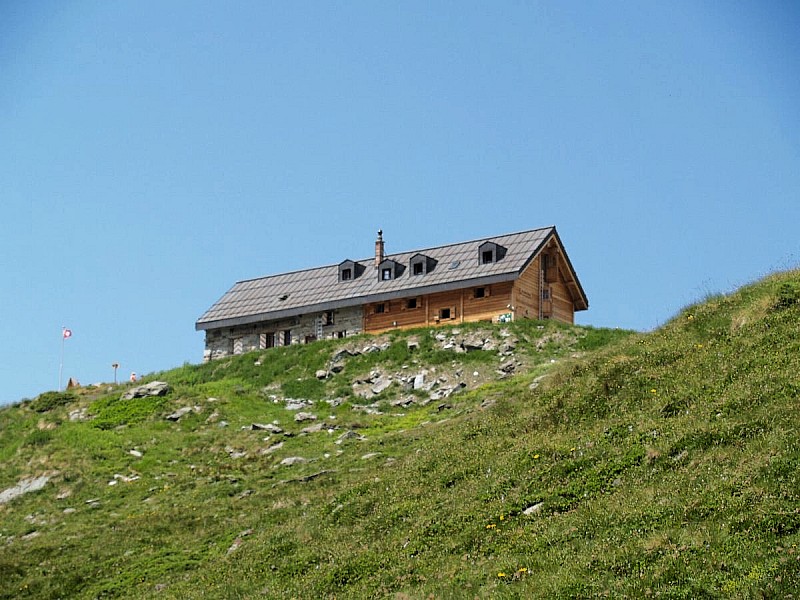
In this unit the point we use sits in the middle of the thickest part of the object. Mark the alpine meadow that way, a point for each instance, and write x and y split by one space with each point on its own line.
530 459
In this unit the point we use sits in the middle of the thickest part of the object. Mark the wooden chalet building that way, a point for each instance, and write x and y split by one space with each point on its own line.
519 275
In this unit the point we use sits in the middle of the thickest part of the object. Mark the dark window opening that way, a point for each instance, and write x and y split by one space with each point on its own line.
267 340
310 338
444 313
327 317
287 338
487 256
418 268
545 294
480 292
341 334
380 308
411 303
347 274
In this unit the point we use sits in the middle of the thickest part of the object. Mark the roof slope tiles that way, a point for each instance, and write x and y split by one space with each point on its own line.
318 289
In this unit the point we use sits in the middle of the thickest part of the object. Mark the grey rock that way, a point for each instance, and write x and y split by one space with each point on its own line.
363 391
349 435
272 448
381 385
342 354
370 455
337 367
297 404
419 381
508 366
79 414
305 416
293 460
154 388
315 428
532 510
321 374
266 427
403 401
31 484
179 413
473 342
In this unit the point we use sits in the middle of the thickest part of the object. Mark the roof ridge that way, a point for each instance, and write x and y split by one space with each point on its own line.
417 251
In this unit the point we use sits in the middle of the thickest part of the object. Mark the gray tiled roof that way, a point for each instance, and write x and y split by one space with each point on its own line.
318 289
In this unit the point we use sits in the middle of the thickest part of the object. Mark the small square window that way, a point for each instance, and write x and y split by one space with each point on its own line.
411 303
545 294
347 274
418 268
386 274
480 292
487 257
380 308
444 313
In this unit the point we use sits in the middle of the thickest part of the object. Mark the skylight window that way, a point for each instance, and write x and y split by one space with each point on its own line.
454 265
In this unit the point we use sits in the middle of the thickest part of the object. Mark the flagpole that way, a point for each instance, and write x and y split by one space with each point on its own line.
61 363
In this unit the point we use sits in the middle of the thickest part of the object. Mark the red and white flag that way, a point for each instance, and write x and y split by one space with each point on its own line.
67 333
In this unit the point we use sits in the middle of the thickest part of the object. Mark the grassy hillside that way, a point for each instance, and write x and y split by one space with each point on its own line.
531 460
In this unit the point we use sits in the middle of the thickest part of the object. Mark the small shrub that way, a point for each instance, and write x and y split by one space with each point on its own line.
50 400
788 295
38 437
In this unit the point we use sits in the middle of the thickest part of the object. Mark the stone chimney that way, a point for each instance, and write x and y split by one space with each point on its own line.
379 248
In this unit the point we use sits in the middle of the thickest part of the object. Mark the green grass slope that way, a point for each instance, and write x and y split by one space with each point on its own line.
574 462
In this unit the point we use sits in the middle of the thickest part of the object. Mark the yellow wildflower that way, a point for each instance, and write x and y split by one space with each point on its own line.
501 574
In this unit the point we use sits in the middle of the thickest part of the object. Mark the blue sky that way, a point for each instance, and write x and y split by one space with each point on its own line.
153 153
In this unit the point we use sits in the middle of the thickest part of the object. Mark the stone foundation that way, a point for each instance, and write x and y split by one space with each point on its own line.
296 330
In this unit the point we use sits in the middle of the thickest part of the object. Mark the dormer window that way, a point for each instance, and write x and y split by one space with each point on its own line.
349 270
489 252
421 264
389 269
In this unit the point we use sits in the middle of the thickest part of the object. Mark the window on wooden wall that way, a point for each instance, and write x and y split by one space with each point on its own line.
380 308
287 337
412 303
480 292
327 317
447 313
